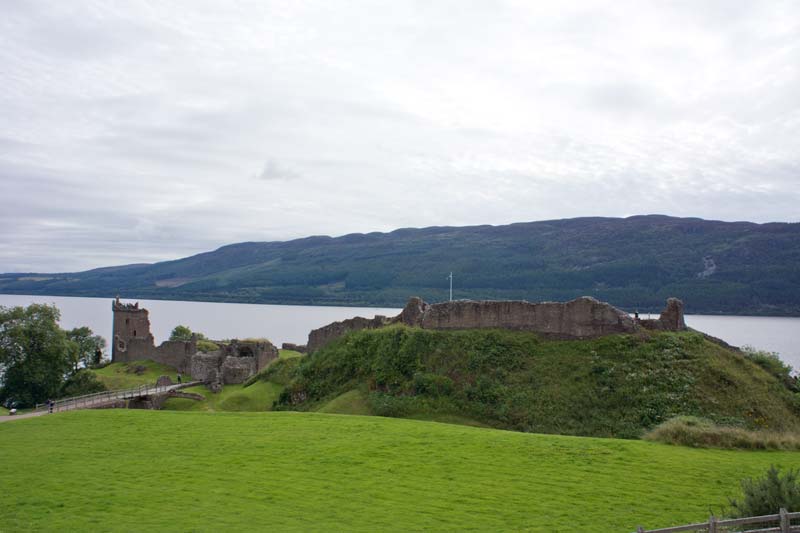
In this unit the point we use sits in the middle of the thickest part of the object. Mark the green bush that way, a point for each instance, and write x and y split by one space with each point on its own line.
771 362
766 495
80 383
206 346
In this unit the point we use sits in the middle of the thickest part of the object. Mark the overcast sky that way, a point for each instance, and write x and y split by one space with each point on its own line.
140 131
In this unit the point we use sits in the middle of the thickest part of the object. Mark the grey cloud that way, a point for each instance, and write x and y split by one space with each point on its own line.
132 130
274 171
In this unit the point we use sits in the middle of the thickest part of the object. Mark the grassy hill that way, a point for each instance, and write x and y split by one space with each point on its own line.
121 470
615 386
636 262
129 375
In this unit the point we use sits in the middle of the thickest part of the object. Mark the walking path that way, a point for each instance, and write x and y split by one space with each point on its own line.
100 399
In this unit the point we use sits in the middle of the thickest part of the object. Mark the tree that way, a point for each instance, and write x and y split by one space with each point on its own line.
34 354
181 333
81 382
87 348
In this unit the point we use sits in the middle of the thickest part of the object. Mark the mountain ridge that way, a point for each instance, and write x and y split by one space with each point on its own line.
716 267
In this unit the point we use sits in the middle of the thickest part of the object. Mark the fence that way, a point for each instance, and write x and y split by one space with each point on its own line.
100 398
715 525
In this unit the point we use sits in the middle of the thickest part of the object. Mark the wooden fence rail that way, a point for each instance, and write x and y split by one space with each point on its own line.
715 525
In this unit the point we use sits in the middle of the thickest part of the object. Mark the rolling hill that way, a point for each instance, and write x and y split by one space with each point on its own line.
615 386
634 263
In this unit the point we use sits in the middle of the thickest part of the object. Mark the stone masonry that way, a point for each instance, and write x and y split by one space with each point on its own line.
582 318
234 362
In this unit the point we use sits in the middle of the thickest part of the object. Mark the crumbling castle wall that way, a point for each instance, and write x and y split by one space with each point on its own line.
134 342
578 319
322 336
582 318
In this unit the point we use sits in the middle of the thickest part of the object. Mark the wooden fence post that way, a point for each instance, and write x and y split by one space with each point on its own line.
785 526
712 524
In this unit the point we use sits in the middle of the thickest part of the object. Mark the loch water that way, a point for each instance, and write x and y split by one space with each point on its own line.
291 323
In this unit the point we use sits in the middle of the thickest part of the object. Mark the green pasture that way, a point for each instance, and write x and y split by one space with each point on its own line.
127 375
129 470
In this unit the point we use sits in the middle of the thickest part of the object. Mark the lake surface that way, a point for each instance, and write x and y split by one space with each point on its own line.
291 323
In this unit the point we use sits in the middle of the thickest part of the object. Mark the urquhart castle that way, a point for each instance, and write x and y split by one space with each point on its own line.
236 361
233 362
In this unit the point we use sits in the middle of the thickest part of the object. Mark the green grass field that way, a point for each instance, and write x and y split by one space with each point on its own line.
127 375
128 470
3 411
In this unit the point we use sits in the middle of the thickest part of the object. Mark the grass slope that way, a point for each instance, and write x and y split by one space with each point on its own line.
256 397
127 470
615 386
127 375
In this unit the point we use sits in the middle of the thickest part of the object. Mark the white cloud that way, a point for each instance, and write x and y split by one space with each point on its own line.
133 131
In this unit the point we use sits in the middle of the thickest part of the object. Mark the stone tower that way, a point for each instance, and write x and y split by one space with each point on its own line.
131 327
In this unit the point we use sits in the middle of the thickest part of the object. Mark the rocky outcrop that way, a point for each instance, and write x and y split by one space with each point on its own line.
582 318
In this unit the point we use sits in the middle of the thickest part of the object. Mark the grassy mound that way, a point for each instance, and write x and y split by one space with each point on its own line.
127 375
701 433
288 354
352 402
310 471
258 397
616 386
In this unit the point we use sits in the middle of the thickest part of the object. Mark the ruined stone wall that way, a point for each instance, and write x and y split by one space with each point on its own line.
206 366
302 348
233 363
578 319
175 354
322 336
238 369
582 318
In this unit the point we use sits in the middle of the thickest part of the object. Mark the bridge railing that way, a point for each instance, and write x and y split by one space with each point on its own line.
715 525
98 398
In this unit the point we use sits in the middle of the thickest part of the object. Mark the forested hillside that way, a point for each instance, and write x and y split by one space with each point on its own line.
633 263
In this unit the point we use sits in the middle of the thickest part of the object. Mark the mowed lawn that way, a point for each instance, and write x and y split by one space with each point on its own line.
129 470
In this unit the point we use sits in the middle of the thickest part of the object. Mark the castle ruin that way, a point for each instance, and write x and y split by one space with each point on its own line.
233 362
582 318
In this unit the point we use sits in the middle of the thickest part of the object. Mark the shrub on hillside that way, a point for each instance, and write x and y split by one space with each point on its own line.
771 362
702 433
80 383
206 346
766 495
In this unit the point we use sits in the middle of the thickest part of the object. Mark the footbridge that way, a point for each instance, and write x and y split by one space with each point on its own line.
103 399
